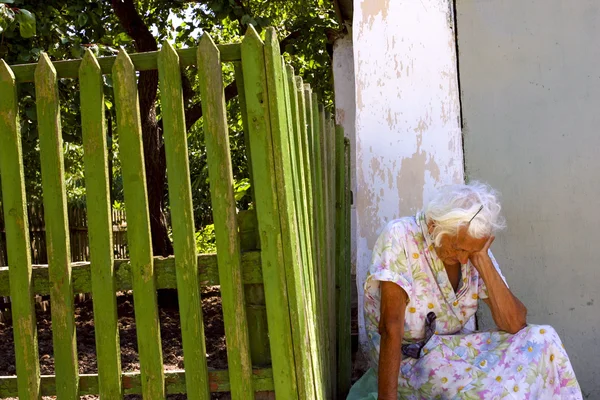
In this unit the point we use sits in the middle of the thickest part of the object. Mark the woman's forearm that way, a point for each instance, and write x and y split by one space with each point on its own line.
507 310
390 357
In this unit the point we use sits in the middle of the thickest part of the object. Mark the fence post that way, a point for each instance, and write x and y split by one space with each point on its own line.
17 239
274 276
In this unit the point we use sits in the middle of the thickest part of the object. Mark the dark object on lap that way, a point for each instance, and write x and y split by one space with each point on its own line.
413 350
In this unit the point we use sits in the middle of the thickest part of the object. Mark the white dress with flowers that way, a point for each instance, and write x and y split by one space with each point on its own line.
455 363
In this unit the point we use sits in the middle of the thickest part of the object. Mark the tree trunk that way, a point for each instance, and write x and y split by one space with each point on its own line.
154 156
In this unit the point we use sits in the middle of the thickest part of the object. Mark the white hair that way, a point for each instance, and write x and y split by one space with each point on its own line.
455 205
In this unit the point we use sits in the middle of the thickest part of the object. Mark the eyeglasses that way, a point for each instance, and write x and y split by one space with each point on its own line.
413 350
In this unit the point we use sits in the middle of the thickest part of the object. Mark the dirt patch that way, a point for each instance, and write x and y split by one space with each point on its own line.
86 342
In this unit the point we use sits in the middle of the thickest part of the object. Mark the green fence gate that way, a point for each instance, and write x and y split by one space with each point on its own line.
299 171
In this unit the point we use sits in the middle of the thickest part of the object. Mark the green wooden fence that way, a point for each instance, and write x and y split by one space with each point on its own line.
291 255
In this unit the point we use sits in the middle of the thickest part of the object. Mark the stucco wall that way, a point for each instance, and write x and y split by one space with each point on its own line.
408 138
530 86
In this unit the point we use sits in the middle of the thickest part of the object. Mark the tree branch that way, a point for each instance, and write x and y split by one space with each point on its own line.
136 29
194 113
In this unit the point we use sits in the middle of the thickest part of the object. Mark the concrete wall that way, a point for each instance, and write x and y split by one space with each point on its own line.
408 138
530 82
345 113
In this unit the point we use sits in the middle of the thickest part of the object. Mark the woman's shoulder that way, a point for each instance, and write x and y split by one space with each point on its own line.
401 227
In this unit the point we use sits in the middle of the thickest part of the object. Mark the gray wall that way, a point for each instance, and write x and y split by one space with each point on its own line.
530 82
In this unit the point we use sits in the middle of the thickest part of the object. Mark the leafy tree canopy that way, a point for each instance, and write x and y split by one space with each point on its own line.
64 29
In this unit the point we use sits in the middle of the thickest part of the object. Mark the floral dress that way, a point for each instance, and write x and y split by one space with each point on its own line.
455 363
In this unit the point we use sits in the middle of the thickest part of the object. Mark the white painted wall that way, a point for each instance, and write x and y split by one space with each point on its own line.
408 138
530 81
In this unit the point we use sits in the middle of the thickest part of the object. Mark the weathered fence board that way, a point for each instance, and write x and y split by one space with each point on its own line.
224 215
57 233
100 224
138 225
283 265
182 216
17 239
261 150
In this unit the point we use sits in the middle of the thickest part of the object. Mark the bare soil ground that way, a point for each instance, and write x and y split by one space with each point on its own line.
86 343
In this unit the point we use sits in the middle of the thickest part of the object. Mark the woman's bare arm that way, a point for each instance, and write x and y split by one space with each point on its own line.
391 329
510 315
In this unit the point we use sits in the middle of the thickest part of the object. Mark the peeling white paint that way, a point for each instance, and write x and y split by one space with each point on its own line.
408 138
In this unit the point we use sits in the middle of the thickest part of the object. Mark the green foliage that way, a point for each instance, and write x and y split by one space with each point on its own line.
205 240
64 29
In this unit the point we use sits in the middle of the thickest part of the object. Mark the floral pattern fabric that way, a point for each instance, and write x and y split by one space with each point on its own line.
457 363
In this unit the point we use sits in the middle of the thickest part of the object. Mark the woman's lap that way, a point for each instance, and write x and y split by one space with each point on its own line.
486 365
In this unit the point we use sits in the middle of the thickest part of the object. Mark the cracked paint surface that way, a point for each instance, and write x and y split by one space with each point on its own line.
408 137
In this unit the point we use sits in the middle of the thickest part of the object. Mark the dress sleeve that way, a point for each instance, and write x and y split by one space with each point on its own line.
483 293
389 261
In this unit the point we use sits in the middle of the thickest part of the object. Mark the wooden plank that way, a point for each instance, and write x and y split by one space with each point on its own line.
224 215
138 227
182 220
174 383
299 184
208 274
57 229
141 62
256 310
289 224
331 239
320 177
17 239
305 92
261 147
343 270
100 227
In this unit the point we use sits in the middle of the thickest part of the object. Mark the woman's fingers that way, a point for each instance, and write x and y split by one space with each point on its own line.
489 243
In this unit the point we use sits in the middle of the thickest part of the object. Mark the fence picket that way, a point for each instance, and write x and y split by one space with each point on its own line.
256 310
224 214
17 239
320 177
331 242
283 265
301 194
57 230
182 215
288 219
343 273
138 227
99 212
261 147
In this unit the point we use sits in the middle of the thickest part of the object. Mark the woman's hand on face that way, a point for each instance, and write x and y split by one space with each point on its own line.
481 257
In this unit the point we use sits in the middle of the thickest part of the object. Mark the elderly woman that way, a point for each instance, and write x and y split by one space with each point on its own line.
423 286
